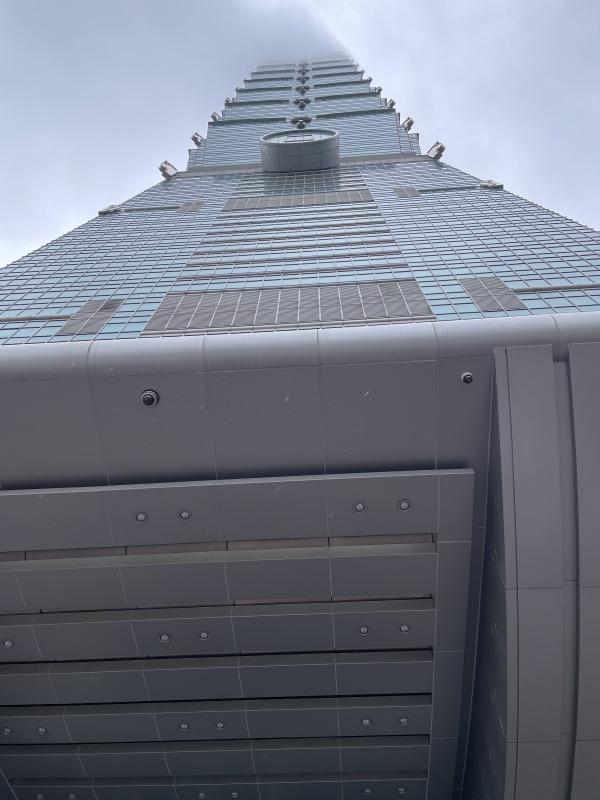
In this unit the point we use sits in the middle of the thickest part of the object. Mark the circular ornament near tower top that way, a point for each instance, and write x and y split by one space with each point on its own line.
298 150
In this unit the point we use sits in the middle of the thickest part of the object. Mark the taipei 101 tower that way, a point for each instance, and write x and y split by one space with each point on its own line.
299 469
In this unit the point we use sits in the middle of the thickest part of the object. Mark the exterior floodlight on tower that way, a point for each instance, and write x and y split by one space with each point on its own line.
167 170
408 123
197 139
436 151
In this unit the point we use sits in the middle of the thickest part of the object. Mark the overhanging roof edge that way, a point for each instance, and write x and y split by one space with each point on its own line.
360 344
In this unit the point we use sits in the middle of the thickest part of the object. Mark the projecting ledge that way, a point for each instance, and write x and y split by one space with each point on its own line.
361 344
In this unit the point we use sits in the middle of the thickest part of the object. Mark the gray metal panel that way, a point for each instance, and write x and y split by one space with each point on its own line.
276 416
125 764
70 588
381 493
452 594
585 386
89 683
109 724
385 716
447 694
537 770
208 633
356 399
441 769
171 441
280 676
276 629
384 673
455 515
53 761
588 719
291 579
536 474
385 754
386 572
38 726
59 460
25 684
10 594
56 792
248 790
133 792
212 722
162 504
585 772
178 584
540 642
260 509
407 624
72 640
190 679
329 790
216 758
18 641
296 756
292 718
463 424
46 520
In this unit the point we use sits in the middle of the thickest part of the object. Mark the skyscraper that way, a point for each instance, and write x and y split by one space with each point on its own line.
299 466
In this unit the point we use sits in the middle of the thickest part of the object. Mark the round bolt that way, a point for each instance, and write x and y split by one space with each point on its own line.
71 796
365 722
141 516
39 797
185 514
404 628
8 643
6 731
360 506
149 398
219 725
403 720
184 726
164 637
368 791
364 630
467 377
204 635
201 795
234 794
401 790
41 730
403 505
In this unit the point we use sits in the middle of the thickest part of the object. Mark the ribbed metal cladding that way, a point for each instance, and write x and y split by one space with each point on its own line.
307 305
191 205
406 191
91 317
491 294
291 200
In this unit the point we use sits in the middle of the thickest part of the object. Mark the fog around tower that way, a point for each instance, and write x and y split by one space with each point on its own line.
95 95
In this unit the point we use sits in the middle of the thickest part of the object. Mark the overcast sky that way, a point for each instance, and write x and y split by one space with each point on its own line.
94 95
